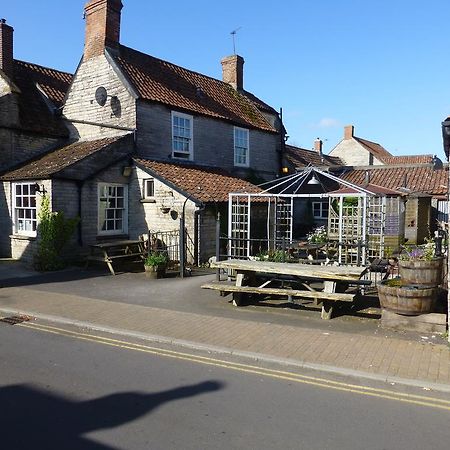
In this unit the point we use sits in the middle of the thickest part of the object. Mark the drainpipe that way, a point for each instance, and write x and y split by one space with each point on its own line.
197 236
79 227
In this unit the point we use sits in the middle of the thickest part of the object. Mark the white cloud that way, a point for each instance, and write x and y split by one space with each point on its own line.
327 122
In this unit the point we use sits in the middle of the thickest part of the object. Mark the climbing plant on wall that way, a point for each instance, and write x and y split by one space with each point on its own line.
54 232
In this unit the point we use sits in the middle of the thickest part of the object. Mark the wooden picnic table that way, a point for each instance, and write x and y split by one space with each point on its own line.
270 278
110 251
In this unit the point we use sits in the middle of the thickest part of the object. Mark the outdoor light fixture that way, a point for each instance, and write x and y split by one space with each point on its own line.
126 171
313 180
285 170
39 188
446 136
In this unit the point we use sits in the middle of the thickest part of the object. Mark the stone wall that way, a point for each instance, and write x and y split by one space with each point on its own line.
81 104
354 154
213 141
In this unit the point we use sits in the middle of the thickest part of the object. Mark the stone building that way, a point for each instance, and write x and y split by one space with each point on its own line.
125 136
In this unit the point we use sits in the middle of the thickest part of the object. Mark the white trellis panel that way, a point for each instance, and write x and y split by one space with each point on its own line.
283 220
239 227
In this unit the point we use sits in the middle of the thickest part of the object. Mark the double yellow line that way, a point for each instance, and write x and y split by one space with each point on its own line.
430 402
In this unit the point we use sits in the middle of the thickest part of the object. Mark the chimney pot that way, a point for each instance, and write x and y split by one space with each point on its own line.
233 71
349 132
102 26
6 49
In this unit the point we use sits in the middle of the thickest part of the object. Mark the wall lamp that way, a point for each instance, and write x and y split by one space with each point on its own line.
126 171
39 188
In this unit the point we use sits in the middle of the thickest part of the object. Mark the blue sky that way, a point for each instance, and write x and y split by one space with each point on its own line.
382 66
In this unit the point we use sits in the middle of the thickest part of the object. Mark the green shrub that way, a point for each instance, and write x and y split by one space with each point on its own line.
54 232
155 259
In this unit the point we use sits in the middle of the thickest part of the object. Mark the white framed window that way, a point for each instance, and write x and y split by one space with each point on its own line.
320 210
241 147
182 132
149 188
24 208
112 208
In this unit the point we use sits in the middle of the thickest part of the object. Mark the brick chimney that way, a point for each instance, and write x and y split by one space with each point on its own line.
102 26
233 71
349 131
318 146
6 49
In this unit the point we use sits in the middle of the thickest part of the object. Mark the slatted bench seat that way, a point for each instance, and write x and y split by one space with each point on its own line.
325 298
317 295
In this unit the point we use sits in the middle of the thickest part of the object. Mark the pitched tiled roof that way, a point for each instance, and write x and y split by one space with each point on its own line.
56 161
418 179
204 184
375 149
161 81
370 187
410 159
35 83
301 157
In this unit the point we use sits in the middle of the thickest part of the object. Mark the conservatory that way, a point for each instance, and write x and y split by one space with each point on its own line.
356 223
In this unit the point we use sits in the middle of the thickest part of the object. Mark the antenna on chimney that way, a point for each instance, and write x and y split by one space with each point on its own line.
233 33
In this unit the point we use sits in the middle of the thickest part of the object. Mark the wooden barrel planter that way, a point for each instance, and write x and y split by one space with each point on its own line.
407 299
428 273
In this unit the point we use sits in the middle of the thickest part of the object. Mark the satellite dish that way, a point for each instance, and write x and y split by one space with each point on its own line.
101 95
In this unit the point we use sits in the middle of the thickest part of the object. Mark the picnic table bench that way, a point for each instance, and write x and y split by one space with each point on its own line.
108 252
259 277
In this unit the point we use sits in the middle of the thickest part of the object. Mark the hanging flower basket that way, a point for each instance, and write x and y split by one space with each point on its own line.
407 299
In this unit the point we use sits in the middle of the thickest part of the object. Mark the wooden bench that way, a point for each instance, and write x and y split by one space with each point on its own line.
108 252
320 297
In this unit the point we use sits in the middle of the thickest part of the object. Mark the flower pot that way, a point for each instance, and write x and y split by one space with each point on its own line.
428 273
408 300
155 272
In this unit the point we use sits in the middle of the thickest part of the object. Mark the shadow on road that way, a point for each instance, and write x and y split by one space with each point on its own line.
32 418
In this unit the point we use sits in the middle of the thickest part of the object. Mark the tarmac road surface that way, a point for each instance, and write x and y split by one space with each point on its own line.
70 389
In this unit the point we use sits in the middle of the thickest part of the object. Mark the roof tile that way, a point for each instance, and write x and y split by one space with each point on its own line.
204 184
35 83
161 81
55 161
416 179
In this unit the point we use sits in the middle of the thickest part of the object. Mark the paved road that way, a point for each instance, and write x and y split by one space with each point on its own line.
68 389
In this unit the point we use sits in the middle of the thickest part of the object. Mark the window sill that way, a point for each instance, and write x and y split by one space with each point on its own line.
22 237
148 200
111 237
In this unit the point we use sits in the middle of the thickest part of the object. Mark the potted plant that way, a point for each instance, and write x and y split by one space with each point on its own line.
155 265
419 265
407 299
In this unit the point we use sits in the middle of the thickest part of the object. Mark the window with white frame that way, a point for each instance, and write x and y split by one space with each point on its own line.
182 146
25 210
320 210
112 208
149 188
241 147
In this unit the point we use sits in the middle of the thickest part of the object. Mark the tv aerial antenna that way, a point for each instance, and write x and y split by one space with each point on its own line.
233 34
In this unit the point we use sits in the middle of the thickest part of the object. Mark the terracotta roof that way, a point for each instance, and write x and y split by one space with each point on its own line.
56 161
301 157
161 81
375 149
204 184
418 179
36 83
370 187
410 159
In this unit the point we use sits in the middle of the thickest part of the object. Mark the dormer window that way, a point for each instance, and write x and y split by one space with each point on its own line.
241 147
182 146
